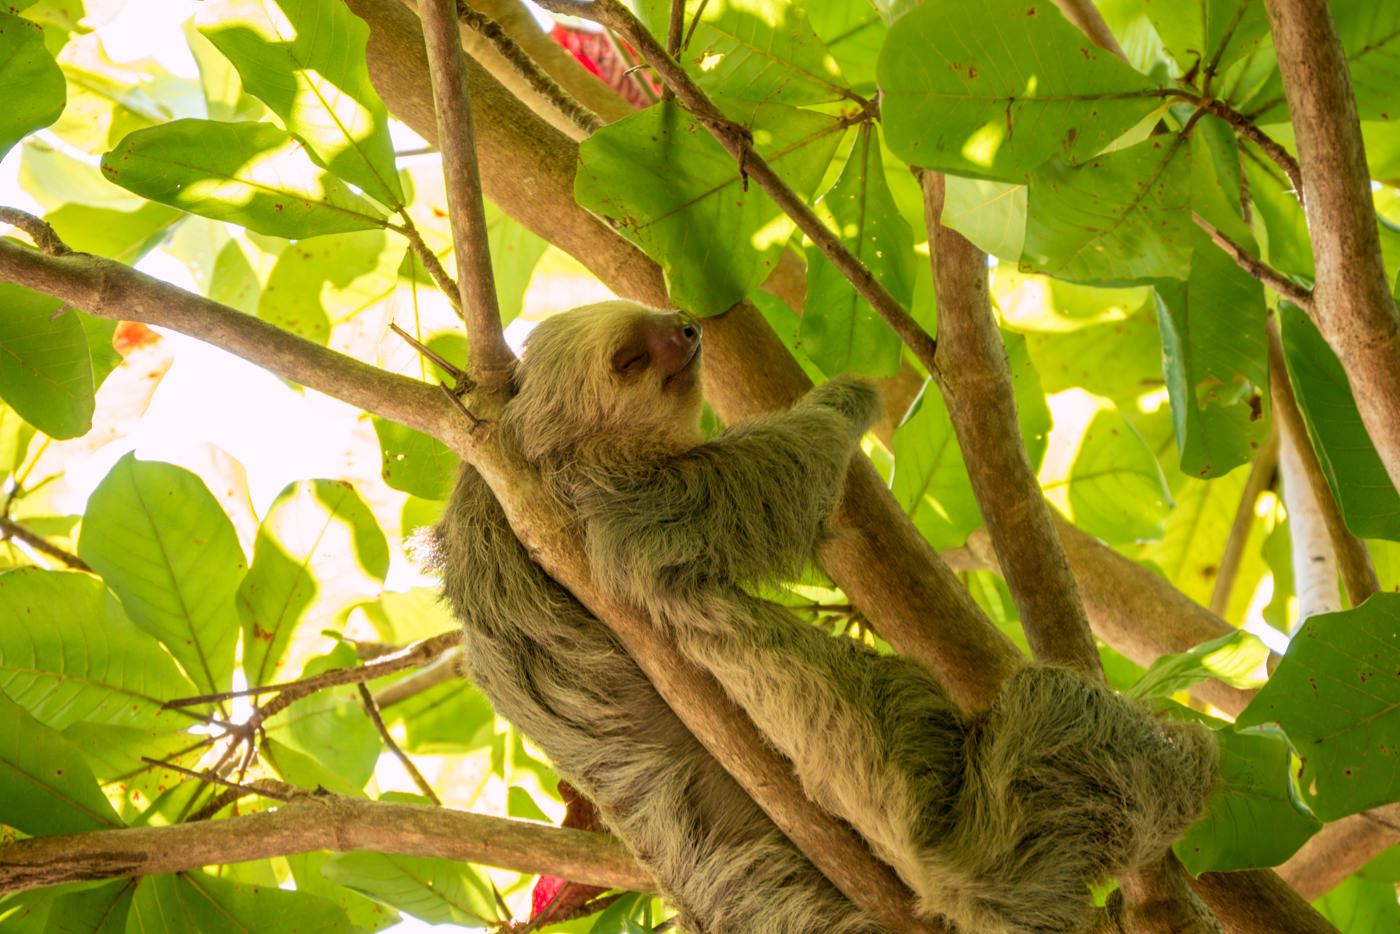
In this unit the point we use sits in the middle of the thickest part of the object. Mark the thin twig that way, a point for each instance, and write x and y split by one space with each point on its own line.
411 656
44 236
208 775
738 142
1257 268
445 283
525 66
9 528
491 360
675 32
372 709
1261 473
1250 131
423 349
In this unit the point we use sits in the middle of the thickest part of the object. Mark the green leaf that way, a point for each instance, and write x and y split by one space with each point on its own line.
305 59
1101 473
1199 33
1255 818
754 50
994 89
1195 533
990 214
1214 359
197 901
121 235
447 719
246 173
1113 358
45 786
930 477
1337 697
45 367
318 550
1361 905
840 332
1359 481
1234 659
853 33
31 83
667 182
323 281
160 540
99 910
414 462
1120 219
68 653
1285 229
439 891
331 726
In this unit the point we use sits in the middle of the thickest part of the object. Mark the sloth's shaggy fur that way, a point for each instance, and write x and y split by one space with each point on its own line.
998 823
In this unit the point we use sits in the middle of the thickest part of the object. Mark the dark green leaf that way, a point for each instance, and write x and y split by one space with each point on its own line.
1255 818
45 786
45 367
665 180
160 540
853 33
247 173
319 549
1354 471
305 59
840 332
1337 697
1200 34
1120 219
994 89
31 83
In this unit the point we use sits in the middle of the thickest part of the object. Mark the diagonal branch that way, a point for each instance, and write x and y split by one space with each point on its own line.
491 360
1257 268
739 144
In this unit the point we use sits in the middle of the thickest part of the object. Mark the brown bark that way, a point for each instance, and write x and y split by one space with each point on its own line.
1257 901
323 822
1341 848
1353 309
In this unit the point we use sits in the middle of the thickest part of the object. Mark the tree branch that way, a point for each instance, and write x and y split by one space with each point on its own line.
1341 848
491 361
1354 309
323 821
109 289
975 378
10 529
1353 560
1254 901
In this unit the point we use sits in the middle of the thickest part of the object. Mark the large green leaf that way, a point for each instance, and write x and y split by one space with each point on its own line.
248 173
840 332
414 462
994 89
1214 359
439 891
665 180
318 283
197 901
45 366
1358 479
853 33
319 549
305 59
45 786
331 726
1202 34
1255 818
1194 534
31 83
160 540
68 653
1101 474
990 214
1337 697
1120 219
754 50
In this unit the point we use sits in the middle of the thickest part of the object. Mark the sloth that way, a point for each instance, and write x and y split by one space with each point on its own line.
997 822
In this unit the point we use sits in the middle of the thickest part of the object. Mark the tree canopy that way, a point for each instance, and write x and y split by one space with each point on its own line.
1124 272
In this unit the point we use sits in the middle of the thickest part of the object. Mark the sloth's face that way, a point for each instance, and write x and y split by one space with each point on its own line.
664 346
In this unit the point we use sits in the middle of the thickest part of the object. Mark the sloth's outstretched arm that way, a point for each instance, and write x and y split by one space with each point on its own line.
748 506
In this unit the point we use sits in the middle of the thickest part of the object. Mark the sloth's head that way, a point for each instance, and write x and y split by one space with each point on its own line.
615 374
